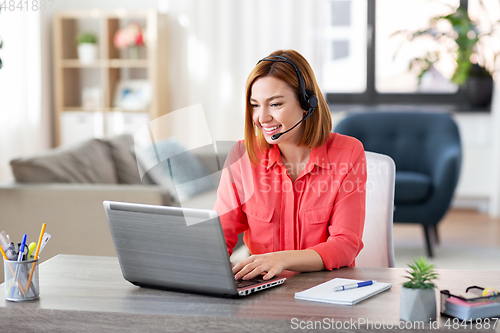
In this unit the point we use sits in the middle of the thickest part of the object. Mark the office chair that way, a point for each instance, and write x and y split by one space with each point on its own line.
427 151
378 248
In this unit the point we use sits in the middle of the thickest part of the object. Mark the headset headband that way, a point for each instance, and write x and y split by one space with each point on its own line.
308 100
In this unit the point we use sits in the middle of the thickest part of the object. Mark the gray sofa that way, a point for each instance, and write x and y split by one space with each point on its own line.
65 188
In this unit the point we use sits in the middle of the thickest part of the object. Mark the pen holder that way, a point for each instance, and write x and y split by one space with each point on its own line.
21 280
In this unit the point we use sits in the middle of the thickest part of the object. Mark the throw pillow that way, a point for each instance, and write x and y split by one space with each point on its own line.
87 162
124 161
170 165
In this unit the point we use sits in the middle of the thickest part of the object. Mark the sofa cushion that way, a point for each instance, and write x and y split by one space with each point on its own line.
411 187
170 165
87 162
124 161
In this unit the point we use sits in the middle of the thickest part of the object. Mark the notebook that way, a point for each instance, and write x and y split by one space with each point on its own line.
324 292
176 248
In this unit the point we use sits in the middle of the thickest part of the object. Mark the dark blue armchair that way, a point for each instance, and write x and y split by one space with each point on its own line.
427 151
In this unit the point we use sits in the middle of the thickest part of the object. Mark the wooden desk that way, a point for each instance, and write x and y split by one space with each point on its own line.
89 294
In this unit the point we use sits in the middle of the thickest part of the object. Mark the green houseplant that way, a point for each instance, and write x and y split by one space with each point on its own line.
86 37
87 47
418 298
459 38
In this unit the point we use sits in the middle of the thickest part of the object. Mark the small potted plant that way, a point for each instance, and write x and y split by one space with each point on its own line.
87 47
418 298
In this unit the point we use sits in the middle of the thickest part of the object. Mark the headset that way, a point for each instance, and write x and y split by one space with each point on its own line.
308 101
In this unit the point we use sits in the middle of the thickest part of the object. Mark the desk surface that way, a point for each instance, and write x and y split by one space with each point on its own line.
90 292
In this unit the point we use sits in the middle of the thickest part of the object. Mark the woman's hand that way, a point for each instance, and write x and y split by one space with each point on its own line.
271 263
274 263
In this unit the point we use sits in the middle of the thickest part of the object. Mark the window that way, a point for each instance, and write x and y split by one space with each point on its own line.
363 64
393 52
344 46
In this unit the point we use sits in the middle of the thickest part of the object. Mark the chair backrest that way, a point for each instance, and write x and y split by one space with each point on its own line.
378 248
411 139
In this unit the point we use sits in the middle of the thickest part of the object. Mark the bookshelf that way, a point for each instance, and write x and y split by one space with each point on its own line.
74 117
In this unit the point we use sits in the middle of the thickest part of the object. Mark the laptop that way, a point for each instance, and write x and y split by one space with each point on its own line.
172 248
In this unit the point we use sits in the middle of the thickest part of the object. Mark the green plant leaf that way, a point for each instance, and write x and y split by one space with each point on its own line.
421 274
461 43
86 37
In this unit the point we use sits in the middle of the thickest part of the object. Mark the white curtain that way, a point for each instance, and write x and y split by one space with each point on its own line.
23 130
213 46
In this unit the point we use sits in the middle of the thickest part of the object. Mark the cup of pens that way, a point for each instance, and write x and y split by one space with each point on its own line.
21 267
21 280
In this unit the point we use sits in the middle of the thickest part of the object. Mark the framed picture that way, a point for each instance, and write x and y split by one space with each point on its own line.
91 98
133 95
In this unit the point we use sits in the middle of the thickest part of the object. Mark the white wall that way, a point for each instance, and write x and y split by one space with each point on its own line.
213 46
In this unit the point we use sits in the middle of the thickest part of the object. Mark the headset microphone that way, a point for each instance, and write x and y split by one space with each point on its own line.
277 135
308 101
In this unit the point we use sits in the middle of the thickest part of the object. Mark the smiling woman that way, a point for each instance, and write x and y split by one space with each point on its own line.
281 185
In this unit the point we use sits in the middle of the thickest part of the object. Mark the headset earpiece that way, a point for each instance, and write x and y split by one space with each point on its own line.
312 100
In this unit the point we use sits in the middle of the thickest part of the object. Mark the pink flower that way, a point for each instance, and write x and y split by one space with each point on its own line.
131 35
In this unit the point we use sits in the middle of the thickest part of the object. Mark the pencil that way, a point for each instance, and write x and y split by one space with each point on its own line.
3 253
40 241
36 254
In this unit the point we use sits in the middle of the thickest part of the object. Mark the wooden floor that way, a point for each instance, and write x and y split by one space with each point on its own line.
467 240
467 227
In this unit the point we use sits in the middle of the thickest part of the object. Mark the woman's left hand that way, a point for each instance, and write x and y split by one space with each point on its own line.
271 263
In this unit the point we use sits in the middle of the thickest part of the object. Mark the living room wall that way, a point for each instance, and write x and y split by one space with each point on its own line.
213 46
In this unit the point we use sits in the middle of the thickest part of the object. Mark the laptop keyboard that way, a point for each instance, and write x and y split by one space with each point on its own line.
246 283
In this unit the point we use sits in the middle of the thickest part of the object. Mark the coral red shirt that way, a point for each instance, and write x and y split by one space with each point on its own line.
323 210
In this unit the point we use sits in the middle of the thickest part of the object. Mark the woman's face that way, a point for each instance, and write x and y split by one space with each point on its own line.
276 109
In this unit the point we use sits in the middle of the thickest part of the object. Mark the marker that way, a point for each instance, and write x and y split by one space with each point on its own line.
31 249
354 285
21 248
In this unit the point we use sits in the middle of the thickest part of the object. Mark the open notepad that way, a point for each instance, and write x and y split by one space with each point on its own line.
324 292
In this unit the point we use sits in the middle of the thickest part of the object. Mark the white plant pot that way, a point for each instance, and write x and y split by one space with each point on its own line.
87 53
417 305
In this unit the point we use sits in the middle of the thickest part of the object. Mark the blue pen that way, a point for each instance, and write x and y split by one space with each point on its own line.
354 285
19 258
21 248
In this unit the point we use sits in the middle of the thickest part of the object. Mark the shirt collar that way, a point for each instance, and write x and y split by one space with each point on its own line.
273 156
319 156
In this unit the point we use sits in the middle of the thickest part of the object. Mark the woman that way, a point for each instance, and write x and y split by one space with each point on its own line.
299 197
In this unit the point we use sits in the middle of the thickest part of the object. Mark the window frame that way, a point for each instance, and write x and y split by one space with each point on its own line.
372 97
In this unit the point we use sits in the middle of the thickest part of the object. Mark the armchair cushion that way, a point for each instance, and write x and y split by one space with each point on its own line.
412 187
